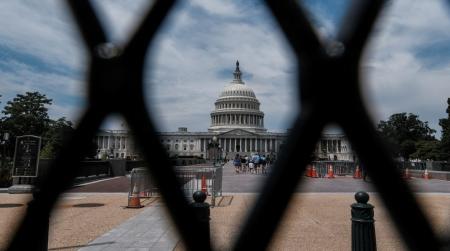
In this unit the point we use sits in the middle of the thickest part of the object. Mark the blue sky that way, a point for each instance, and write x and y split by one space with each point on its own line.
407 65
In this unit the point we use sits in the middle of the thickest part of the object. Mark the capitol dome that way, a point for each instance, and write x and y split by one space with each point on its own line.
237 90
237 107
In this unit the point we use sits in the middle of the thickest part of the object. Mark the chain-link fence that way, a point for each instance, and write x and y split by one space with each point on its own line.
328 91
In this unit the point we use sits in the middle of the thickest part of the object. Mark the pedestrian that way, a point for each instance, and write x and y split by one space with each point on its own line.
243 163
251 166
256 162
363 171
237 163
263 164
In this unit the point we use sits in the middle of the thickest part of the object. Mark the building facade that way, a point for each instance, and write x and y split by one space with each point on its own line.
237 127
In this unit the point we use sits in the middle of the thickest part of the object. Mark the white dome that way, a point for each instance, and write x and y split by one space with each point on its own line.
237 107
236 89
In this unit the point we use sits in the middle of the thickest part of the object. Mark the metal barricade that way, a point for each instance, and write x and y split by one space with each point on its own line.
142 183
340 168
192 178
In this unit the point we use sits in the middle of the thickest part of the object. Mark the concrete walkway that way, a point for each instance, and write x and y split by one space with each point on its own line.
149 230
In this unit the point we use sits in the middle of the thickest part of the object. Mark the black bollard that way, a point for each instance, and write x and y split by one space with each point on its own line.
42 226
363 228
202 212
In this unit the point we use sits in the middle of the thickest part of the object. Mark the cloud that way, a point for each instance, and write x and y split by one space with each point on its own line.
406 67
187 57
403 73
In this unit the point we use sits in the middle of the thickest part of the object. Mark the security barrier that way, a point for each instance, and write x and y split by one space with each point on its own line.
328 91
192 179
340 168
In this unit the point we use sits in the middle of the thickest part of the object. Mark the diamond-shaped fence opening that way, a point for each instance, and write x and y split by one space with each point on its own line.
328 71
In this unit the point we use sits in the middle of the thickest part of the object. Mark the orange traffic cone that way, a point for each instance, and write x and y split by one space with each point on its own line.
406 174
134 201
357 174
426 175
308 171
204 188
330 174
314 172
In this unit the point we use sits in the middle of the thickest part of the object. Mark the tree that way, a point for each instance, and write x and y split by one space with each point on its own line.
54 138
444 147
427 150
26 115
402 132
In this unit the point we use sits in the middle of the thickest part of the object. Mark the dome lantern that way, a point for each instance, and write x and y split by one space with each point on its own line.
237 74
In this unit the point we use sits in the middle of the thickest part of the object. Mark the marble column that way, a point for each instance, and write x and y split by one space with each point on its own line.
204 145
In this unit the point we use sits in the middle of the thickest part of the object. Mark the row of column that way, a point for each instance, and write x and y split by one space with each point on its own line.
332 146
237 119
240 106
244 144
114 142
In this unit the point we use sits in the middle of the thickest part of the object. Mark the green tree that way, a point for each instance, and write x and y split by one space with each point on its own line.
402 131
427 150
444 147
26 114
58 131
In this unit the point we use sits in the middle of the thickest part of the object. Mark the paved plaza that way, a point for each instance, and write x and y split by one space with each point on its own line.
150 230
94 217
313 221
251 183
318 217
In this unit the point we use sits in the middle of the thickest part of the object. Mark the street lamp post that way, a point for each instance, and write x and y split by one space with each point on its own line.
4 143
214 145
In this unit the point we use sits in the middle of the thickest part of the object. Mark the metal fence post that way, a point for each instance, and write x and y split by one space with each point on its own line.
363 228
202 212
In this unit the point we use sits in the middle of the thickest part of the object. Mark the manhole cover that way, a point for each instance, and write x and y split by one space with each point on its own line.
89 205
8 205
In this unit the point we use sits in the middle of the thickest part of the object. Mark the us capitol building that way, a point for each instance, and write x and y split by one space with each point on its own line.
237 127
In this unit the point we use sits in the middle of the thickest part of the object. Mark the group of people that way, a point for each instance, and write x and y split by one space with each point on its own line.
253 164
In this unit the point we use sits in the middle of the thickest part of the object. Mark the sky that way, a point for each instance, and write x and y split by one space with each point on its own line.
406 66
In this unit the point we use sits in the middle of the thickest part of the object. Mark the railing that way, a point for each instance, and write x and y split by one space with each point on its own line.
195 178
329 92
422 165
89 168
192 179
340 168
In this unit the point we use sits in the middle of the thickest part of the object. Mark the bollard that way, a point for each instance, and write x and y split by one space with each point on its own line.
42 226
202 212
363 228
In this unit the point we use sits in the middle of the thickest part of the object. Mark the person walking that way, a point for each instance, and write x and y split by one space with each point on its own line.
251 166
243 163
237 163
363 171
